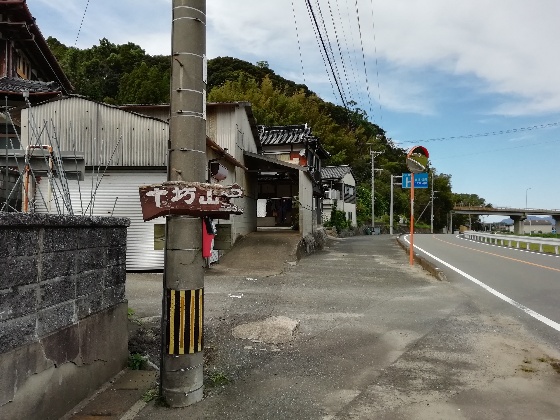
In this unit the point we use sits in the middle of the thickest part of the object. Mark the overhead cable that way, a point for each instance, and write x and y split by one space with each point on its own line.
308 6
488 134
330 51
376 63
339 49
298 43
81 23
325 49
363 57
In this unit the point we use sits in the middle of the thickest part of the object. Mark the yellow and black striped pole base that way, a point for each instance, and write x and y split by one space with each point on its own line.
183 358
185 326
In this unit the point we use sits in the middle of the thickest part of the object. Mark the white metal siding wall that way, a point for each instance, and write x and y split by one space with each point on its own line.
117 195
211 123
226 131
306 210
249 144
247 222
349 180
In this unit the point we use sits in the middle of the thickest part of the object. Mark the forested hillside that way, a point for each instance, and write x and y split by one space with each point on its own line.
125 74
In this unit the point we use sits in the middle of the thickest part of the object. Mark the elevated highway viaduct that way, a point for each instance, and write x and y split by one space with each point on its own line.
517 215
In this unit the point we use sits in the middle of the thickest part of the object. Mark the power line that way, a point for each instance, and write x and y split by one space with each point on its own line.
488 134
336 74
485 152
339 49
324 47
298 43
376 63
317 37
363 56
81 23
353 60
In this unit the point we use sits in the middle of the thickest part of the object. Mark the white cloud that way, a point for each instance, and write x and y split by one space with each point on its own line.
507 46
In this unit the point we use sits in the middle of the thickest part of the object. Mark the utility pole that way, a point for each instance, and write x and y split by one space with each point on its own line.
391 205
373 154
181 372
432 209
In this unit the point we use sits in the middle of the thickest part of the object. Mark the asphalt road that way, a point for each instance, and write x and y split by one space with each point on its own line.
524 284
377 339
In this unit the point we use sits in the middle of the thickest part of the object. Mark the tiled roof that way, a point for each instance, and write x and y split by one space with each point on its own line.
291 134
335 172
9 84
18 25
287 134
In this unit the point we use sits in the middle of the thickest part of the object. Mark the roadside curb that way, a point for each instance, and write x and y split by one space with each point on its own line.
121 398
424 263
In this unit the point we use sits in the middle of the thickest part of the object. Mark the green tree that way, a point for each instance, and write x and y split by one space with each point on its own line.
98 72
144 85
338 219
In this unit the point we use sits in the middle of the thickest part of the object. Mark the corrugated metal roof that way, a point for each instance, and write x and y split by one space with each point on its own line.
105 134
335 172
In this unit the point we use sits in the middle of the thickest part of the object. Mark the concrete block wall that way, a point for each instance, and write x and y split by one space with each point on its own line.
63 312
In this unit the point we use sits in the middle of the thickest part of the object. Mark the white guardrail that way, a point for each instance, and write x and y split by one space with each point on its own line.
506 240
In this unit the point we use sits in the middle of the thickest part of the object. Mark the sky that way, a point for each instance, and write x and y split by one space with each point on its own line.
475 82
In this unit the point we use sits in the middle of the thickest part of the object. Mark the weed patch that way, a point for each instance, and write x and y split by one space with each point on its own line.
136 361
218 379
150 395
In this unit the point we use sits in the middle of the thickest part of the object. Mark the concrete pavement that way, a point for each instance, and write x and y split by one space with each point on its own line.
368 337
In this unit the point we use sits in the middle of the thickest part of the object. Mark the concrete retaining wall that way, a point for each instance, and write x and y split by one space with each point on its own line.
63 314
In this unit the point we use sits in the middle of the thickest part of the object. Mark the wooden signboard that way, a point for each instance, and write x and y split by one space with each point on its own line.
190 199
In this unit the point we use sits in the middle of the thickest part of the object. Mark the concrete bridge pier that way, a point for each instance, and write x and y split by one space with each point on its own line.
556 218
518 228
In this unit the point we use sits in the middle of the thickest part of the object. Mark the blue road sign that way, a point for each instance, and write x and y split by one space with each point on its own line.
420 180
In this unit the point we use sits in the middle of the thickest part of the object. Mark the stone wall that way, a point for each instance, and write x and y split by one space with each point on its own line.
63 314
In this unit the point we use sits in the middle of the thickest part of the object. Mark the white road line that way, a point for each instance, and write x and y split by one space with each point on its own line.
518 305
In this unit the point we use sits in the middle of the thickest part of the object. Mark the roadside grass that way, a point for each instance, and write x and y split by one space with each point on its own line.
550 249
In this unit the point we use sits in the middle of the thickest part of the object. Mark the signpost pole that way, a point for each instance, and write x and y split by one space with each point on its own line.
432 207
391 207
181 372
411 251
417 162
